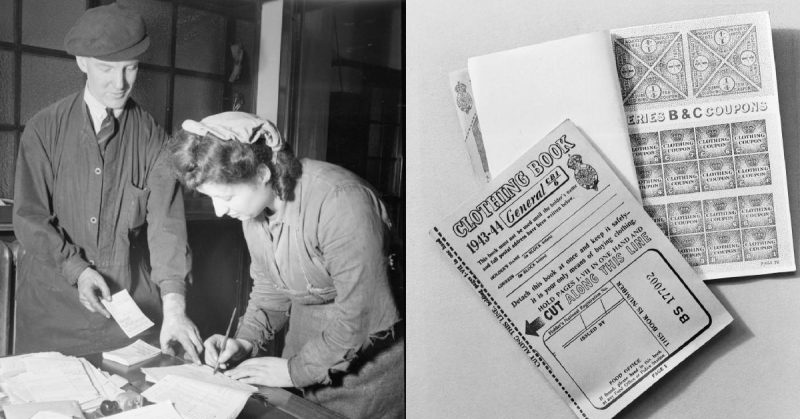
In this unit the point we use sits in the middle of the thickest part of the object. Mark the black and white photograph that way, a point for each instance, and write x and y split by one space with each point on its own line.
203 209
530 295
205 212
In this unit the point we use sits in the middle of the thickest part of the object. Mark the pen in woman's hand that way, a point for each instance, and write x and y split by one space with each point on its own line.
225 340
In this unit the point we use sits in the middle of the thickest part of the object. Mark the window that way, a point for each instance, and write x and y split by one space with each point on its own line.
190 52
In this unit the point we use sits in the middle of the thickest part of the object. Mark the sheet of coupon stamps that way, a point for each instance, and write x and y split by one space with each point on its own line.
580 276
701 103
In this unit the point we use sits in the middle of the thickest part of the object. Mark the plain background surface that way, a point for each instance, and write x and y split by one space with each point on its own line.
460 362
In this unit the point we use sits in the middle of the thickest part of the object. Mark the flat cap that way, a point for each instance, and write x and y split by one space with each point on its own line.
108 33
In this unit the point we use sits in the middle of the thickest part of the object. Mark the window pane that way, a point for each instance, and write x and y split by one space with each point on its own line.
201 41
195 98
246 33
45 23
242 88
7 93
158 18
8 153
150 92
7 20
46 80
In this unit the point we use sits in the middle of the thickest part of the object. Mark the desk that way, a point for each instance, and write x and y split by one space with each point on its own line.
281 403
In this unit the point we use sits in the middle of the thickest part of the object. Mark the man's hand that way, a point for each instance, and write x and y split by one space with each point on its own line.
90 283
265 371
177 328
234 350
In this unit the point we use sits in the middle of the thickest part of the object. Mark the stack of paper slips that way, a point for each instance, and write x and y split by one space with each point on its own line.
134 353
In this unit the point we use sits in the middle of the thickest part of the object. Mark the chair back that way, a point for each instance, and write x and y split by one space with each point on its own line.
7 281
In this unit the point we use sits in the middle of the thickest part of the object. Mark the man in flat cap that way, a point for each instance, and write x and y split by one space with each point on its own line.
96 207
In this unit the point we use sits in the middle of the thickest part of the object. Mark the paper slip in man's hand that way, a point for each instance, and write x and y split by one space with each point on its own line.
127 314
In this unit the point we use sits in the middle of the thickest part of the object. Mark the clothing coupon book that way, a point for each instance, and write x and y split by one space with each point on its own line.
575 270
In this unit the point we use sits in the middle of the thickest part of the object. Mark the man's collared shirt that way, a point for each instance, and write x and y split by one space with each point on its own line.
97 110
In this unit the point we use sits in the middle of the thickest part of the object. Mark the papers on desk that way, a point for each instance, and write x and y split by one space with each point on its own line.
575 270
687 113
163 410
40 410
134 353
195 399
127 314
202 373
51 376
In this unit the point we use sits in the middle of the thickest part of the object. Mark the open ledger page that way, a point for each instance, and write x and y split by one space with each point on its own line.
701 104
576 271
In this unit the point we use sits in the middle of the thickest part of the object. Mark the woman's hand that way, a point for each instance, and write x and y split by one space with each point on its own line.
234 350
265 371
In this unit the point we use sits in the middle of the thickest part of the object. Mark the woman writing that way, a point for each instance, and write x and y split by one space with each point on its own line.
317 236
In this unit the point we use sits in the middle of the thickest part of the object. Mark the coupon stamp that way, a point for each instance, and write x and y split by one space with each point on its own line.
685 218
724 246
714 141
651 180
646 148
678 145
681 178
753 170
691 247
703 63
760 243
650 68
757 210
727 81
658 213
745 58
750 137
721 214
725 60
717 174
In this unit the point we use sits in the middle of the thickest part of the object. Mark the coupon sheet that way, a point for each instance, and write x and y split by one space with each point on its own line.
701 103
575 270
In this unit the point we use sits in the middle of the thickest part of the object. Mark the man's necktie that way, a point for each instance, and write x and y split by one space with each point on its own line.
108 128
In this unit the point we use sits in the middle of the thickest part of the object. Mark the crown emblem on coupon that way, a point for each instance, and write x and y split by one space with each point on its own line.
752 161
724 239
719 206
677 137
713 132
756 202
717 165
749 128
684 209
463 99
681 170
759 235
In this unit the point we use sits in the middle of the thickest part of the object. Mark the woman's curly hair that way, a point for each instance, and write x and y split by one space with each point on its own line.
199 159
